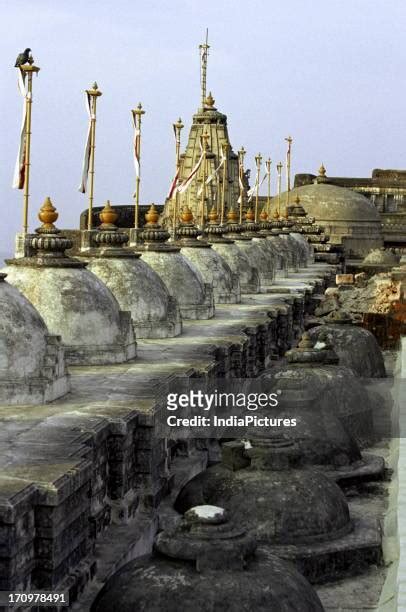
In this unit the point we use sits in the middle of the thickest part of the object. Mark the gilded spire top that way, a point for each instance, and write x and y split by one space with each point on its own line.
47 215
209 101
322 170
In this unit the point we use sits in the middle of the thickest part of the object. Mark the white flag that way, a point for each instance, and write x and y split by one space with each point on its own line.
137 149
86 156
184 186
19 169
214 174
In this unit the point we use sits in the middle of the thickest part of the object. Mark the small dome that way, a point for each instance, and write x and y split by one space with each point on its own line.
32 363
239 264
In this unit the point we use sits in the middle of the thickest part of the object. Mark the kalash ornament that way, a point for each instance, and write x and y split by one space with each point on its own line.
212 266
297 515
210 562
106 334
183 280
135 285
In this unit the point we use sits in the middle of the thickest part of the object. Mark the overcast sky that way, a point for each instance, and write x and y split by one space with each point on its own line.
330 73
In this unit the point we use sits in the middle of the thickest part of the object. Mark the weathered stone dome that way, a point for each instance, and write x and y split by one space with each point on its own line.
356 347
291 506
347 217
207 565
313 377
241 265
32 362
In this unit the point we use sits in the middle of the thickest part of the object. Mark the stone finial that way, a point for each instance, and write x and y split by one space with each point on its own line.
108 235
152 215
305 343
322 171
308 352
47 215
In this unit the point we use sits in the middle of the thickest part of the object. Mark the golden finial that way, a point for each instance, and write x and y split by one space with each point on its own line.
250 215
186 216
47 215
213 216
275 214
232 215
209 101
322 170
264 215
152 216
297 200
108 215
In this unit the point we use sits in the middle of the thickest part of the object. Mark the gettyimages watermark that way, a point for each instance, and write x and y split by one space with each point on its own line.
244 408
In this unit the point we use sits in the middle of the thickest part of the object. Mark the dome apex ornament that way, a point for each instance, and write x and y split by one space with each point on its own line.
186 215
152 215
47 215
213 216
209 101
108 217
322 171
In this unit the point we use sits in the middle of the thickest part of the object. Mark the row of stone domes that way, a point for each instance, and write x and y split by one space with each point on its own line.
94 305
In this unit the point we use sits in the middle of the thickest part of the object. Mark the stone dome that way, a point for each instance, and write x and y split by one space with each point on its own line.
139 290
356 347
279 498
348 217
206 565
32 362
312 378
239 264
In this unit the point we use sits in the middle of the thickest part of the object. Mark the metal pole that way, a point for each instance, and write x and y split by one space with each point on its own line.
258 160
241 155
279 169
205 137
225 147
177 127
137 114
29 69
289 140
268 200
94 93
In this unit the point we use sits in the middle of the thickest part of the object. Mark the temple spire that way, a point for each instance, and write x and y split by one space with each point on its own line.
204 52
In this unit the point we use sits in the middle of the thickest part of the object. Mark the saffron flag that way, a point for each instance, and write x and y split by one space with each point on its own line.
19 169
86 156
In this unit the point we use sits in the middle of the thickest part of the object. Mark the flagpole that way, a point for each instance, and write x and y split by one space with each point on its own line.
178 128
289 140
225 147
137 115
94 93
258 160
241 155
279 169
204 48
268 200
29 69
205 138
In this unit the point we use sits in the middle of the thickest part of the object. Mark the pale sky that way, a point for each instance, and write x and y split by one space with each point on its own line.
328 72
